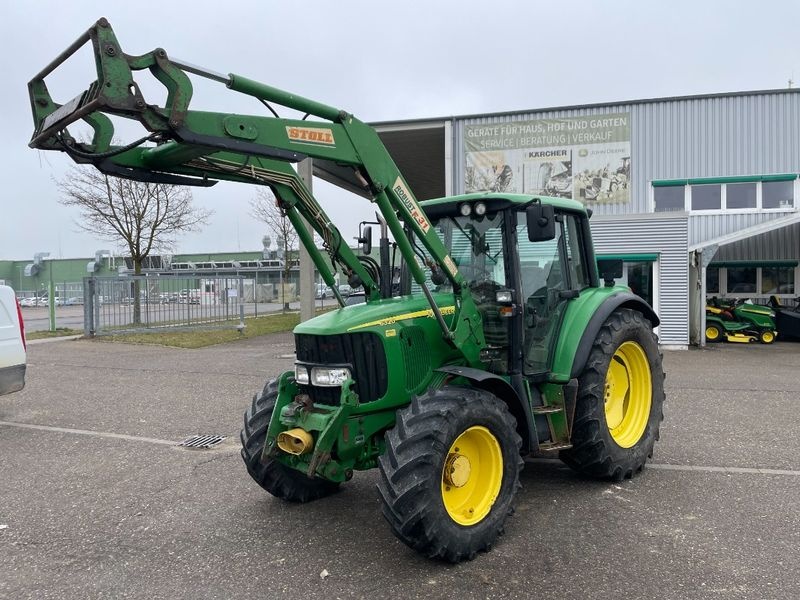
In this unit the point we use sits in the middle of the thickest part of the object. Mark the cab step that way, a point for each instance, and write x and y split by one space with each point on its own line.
553 446
546 410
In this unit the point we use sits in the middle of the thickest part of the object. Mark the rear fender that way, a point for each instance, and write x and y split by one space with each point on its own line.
582 323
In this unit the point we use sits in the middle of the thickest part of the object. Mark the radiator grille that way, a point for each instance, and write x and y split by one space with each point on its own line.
415 356
362 351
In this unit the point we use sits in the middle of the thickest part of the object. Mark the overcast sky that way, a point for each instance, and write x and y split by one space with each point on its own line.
381 61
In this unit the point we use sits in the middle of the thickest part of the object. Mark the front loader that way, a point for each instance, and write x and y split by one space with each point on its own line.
486 335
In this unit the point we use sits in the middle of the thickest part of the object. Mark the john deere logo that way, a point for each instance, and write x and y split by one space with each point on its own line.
311 135
583 152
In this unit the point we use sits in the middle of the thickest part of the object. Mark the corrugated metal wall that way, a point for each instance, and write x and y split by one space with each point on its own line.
629 235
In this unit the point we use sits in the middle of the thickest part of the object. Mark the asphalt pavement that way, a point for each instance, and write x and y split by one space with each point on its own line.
97 501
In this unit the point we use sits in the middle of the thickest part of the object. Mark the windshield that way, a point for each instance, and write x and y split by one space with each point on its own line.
476 246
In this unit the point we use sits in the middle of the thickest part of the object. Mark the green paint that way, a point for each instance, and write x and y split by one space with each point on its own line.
721 180
629 257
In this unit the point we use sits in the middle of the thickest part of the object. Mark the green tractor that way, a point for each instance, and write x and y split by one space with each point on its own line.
486 334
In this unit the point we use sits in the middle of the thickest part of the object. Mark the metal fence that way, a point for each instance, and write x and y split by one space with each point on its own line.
144 303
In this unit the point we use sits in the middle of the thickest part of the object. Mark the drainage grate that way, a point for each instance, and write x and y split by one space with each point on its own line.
202 442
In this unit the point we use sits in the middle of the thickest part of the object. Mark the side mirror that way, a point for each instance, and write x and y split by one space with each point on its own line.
541 222
610 269
366 240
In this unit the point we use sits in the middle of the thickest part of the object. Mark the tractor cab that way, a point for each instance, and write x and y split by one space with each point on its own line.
523 260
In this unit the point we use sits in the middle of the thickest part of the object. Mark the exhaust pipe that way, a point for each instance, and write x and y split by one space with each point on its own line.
295 441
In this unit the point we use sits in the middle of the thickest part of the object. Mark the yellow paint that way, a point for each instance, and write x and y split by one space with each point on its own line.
472 476
739 338
712 334
391 332
445 310
628 394
295 441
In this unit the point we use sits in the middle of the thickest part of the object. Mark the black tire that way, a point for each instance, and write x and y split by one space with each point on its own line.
711 338
767 336
412 484
594 451
278 479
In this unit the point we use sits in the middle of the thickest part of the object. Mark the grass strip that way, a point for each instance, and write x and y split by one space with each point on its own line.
254 327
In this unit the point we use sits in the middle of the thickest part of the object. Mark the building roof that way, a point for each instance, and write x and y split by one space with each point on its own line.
380 124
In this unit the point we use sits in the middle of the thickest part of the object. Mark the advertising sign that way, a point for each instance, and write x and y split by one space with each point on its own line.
585 158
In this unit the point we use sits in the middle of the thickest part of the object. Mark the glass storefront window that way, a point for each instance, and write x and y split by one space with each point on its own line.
777 280
777 194
669 198
706 197
712 280
740 195
742 280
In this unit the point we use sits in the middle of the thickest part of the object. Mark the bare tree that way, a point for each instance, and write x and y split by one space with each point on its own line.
265 208
142 217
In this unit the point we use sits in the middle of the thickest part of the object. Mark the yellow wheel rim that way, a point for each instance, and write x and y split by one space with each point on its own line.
767 337
472 475
712 333
628 394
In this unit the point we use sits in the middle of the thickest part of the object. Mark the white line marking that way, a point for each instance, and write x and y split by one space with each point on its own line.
103 434
697 468
736 470
657 466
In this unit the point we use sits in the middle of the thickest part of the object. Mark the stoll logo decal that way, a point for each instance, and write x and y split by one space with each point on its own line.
411 205
311 135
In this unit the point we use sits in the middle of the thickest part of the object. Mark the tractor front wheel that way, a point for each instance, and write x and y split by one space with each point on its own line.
620 400
766 336
450 472
278 479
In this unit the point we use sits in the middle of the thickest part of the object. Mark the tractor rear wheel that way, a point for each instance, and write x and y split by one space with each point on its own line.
278 479
450 472
620 400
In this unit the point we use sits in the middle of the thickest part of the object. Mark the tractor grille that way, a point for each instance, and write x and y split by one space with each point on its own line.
362 351
415 356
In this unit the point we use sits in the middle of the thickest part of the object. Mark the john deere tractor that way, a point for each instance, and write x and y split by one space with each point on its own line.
486 334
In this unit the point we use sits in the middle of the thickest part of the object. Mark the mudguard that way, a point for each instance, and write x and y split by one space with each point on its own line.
613 302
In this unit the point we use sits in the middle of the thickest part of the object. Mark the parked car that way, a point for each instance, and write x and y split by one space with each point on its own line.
29 301
357 296
323 292
12 343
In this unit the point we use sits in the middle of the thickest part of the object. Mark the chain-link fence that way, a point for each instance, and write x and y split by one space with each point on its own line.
142 303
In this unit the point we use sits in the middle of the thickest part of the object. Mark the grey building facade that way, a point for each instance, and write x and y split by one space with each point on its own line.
698 195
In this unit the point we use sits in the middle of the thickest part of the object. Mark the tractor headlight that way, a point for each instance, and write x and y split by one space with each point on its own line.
329 376
480 209
504 296
301 374
465 209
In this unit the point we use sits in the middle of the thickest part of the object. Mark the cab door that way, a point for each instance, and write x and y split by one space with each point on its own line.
552 273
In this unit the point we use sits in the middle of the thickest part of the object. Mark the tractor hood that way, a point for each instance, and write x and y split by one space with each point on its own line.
377 315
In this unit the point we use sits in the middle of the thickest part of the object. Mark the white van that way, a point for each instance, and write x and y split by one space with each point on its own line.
12 343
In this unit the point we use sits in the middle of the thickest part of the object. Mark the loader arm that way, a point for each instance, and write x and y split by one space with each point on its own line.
188 147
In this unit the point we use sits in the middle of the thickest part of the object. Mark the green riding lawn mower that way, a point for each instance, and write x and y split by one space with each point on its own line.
737 320
486 334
